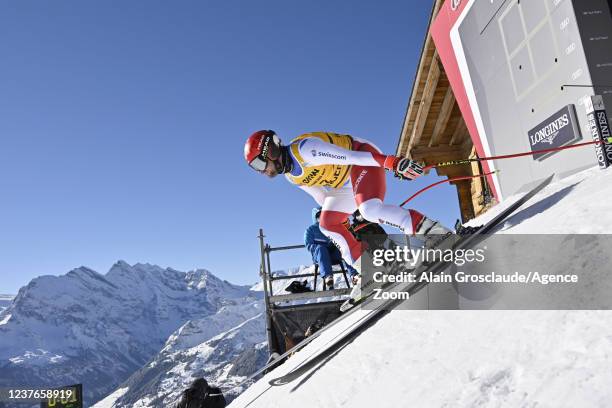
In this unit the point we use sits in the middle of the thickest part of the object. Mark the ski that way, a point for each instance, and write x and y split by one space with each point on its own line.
369 319
351 302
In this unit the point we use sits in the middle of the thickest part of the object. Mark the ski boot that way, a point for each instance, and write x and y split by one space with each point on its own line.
462 230
432 232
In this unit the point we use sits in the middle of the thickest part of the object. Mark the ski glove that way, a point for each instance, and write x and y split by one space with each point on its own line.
403 168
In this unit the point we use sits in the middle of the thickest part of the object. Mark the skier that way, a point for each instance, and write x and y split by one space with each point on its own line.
323 252
201 395
342 173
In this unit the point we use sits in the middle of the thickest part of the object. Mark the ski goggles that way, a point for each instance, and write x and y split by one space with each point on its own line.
258 163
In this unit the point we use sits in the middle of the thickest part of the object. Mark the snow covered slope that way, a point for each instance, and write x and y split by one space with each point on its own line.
85 327
472 358
224 348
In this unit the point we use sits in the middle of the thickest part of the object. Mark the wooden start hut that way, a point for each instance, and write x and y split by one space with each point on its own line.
435 131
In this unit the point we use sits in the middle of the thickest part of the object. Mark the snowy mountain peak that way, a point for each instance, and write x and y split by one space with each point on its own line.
82 270
200 278
138 270
121 264
85 274
107 325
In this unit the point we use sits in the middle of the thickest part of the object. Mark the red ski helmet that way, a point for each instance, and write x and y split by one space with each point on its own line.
260 146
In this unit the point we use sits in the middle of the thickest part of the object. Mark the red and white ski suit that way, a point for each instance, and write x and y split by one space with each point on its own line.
364 188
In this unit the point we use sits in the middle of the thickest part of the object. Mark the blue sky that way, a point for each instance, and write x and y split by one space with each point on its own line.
122 125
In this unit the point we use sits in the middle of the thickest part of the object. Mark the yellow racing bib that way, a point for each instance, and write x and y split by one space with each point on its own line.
327 175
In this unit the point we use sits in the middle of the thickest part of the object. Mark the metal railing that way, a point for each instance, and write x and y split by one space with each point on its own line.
271 299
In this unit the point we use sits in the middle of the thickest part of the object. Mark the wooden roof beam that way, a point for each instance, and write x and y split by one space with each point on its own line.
433 76
459 132
437 150
442 153
416 95
444 116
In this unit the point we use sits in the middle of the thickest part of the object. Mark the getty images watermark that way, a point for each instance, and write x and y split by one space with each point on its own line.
502 272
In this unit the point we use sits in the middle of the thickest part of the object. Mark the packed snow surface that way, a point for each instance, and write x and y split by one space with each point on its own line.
472 358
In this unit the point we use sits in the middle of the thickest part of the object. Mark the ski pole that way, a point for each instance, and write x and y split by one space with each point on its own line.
507 156
446 181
